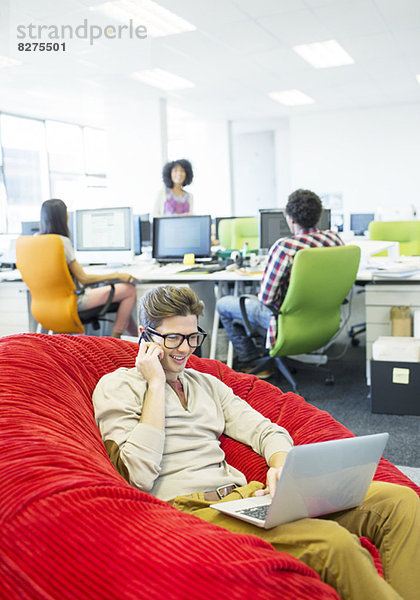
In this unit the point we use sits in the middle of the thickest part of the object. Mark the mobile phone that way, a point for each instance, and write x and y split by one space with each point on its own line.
148 338
145 336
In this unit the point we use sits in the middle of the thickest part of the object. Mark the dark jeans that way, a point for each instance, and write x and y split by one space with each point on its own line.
230 313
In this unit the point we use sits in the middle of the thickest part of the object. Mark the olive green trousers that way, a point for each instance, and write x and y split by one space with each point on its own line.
389 516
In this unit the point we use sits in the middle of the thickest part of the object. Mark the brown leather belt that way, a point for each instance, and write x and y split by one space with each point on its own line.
219 493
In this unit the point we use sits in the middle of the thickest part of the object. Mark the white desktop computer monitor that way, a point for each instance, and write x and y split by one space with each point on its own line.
175 236
30 227
104 236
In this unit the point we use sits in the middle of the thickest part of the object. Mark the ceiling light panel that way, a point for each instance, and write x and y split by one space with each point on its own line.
323 55
291 98
158 21
164 80
418 78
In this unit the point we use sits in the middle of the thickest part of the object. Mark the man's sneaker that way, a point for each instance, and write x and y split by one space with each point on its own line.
263 374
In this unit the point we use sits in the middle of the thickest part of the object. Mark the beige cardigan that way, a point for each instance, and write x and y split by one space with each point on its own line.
187 456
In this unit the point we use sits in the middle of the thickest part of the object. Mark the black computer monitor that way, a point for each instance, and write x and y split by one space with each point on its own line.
137 234
273 226
359 222
175 236
145 230
141 232
325 219
30 227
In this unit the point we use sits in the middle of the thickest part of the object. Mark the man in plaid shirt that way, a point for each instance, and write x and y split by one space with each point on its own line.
303 211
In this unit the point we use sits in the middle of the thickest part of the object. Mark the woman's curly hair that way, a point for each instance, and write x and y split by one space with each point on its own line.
167 169
304 207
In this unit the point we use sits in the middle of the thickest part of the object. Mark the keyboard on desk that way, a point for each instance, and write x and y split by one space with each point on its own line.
212 268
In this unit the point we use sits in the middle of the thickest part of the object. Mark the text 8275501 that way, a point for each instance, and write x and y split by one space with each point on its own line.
41 47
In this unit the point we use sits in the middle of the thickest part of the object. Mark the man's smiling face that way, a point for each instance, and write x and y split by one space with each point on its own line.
174 360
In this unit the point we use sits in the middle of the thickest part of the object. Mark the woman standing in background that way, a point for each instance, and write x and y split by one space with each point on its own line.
173 199
54 219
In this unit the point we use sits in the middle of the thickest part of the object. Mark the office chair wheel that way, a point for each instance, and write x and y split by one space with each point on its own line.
355 341
329 380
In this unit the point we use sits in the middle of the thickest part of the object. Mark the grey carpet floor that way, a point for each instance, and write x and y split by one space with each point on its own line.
348 402
413 474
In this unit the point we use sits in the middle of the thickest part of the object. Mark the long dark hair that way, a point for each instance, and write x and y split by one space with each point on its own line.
54 217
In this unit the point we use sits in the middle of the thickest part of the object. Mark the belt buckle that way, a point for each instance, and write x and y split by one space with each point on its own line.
224 490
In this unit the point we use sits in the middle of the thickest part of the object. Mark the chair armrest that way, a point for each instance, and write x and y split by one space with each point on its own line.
242 306
108 302
247 325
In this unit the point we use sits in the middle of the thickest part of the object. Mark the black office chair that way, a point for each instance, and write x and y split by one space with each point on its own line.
94 316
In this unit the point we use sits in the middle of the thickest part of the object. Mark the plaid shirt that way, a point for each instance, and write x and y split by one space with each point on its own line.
275 280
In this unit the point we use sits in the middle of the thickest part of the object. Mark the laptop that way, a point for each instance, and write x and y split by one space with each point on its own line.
317 479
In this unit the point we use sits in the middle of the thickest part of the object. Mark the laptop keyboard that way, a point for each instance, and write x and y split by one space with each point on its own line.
257 512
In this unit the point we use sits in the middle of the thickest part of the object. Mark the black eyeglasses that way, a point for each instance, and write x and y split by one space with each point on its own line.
175 340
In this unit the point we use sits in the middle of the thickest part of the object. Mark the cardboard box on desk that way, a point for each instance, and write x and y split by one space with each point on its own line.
395 376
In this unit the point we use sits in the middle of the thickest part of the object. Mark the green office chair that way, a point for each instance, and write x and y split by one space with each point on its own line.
245 229
309 316
234 232
224 233
407 233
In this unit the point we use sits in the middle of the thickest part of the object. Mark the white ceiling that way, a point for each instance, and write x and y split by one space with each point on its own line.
240 51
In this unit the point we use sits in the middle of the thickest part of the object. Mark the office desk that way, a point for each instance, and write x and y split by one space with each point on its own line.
14 309
15 316
383 290
208 286
387 283
371 247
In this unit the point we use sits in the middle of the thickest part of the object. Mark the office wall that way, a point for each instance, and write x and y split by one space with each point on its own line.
205 144
254 172
280 131
134 148
371 156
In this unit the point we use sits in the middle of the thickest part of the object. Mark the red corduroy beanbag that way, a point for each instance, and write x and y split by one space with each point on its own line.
72 528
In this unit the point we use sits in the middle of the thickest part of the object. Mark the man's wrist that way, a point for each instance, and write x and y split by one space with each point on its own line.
277 459
155 385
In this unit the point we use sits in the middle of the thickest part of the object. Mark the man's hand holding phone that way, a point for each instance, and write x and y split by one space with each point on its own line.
149 365
148 360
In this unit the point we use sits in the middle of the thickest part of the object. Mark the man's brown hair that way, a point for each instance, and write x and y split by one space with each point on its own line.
168 301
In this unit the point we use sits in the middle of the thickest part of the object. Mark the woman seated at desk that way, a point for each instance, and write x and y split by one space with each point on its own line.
54 219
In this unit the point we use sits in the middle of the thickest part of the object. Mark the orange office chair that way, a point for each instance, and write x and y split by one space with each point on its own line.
42 263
